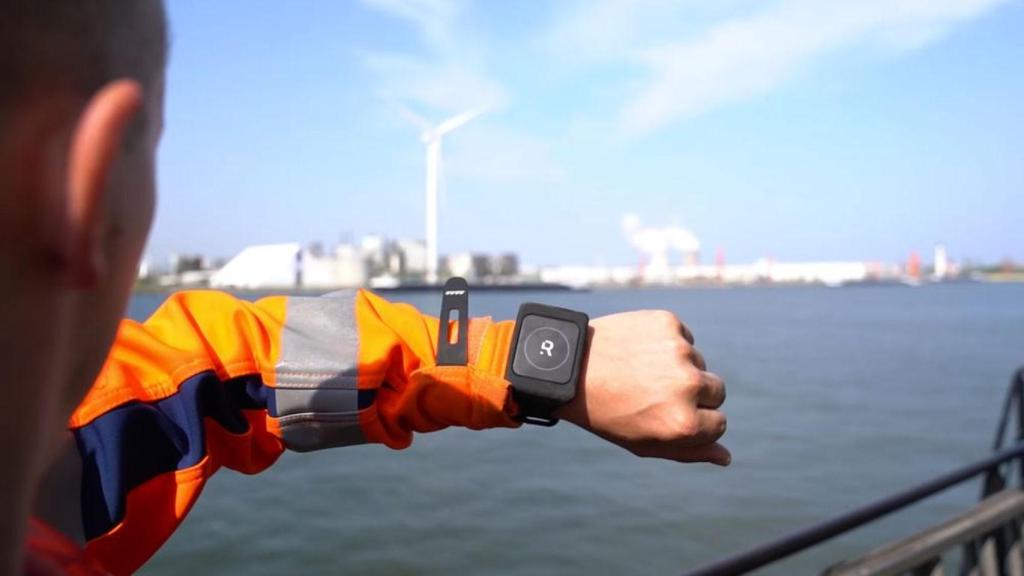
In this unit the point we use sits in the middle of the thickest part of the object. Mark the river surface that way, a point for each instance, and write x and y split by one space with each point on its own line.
836 397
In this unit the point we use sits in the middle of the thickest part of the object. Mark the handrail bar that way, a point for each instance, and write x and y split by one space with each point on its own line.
806 537
916 553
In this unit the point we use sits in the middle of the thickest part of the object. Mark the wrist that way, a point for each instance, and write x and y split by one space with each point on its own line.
575 411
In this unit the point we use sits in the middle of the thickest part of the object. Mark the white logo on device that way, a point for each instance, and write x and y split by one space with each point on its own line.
546 347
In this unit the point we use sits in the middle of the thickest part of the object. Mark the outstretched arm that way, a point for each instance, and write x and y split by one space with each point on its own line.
211 381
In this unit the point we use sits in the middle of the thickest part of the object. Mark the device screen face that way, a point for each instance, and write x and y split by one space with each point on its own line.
545 349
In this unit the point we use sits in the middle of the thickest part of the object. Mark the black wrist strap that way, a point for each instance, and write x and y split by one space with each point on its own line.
536 411
455 298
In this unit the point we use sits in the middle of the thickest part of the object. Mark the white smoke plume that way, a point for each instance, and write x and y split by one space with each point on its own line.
654 241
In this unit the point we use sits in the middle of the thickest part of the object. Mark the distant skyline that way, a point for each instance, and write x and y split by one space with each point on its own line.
793 129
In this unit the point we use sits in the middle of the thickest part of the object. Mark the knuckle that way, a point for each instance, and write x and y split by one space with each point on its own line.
682 424
672 322
680 347
666 318
712 380
688 428
690 378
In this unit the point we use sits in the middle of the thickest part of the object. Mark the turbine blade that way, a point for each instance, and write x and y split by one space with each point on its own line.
459 120
407 113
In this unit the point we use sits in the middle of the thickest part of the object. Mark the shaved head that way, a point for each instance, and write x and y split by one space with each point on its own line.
61 48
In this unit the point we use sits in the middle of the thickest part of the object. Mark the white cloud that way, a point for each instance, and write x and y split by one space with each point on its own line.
447 76
497 154
747 55
450 76
610 29
446 86
433 18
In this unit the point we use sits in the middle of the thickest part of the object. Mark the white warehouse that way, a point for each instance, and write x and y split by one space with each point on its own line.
289 266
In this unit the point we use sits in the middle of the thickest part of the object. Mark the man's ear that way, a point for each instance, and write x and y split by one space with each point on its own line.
95 145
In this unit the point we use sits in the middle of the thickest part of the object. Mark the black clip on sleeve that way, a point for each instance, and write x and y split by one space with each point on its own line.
455 298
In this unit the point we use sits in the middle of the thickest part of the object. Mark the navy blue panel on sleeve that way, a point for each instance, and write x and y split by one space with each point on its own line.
140 440
365 399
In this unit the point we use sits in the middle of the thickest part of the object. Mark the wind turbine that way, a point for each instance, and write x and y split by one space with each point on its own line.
431 136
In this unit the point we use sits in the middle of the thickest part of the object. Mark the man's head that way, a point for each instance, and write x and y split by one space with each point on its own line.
81 105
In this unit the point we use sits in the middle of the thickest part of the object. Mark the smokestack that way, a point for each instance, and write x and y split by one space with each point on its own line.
941 263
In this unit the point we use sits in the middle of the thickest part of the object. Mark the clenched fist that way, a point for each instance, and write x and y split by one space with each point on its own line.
646 388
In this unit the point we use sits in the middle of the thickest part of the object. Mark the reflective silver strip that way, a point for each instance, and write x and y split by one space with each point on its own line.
59 496
320 400
308 432
320 344
315 395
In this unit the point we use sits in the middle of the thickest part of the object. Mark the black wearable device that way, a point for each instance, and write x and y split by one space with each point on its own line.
546 356
545 360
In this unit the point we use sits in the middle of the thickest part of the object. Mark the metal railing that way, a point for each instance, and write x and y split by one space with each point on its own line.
989 535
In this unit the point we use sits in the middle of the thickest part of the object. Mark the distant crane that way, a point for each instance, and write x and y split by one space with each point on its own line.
431 136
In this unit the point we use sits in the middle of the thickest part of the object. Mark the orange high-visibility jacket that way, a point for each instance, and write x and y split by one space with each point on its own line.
211 381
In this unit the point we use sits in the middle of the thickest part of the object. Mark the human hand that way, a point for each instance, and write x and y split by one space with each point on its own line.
646 388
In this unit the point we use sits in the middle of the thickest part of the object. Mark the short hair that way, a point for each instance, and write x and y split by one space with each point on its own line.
75 47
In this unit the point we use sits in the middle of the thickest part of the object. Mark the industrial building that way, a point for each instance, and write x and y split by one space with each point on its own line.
290 266
376 261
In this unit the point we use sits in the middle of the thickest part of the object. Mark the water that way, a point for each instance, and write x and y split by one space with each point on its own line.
836 397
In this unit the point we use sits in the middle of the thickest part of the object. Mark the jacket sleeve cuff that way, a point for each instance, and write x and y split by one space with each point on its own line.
475 396
488 361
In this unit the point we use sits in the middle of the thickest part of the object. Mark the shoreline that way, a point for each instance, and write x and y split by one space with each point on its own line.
997 278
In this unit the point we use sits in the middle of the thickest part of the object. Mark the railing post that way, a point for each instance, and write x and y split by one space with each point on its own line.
1018 387
995 480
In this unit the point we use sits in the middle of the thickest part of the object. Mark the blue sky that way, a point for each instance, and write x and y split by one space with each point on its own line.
796 129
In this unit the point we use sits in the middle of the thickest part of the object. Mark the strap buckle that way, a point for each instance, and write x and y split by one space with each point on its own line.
455 298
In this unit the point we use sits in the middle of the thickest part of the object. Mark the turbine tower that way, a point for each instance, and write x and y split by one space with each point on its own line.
431 136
